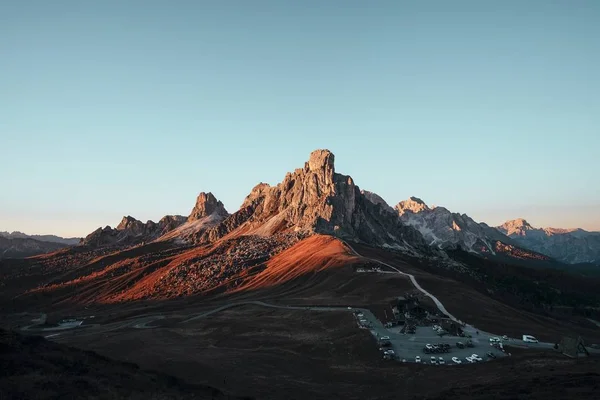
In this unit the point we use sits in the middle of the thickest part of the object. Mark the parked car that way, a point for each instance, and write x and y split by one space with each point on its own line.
529 339
456 360
418 359
504 337
491 355
433 360
460 345
441 361
470 359
476 357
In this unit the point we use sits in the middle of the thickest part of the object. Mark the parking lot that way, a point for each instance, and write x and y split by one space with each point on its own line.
409 346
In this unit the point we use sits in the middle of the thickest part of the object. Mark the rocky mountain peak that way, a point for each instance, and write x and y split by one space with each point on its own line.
127 222
207 204
321 160
515 227
413 204
316 199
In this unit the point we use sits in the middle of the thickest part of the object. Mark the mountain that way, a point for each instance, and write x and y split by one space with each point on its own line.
42 238
443 228
131 231
26 247
567 245
447 230
207 212
316 199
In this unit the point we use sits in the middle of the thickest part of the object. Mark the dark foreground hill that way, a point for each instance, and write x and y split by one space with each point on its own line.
33 368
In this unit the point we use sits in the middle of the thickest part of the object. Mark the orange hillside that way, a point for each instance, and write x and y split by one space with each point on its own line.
309 256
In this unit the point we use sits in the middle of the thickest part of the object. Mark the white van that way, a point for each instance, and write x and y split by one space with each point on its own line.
529 339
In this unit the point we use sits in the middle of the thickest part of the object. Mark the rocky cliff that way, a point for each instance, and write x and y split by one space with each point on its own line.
131 231
207 204
316 199
207 212
446 229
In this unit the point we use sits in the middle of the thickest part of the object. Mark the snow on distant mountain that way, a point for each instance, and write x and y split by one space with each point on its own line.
42 238
567 245
446 229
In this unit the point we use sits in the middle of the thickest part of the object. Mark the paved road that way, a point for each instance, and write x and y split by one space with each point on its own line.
438 303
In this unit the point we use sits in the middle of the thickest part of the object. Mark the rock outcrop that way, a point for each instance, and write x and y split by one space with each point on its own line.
131 231
571 246
316 199
207 212
207 204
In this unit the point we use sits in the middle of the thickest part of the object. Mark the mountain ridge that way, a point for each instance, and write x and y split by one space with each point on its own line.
571 246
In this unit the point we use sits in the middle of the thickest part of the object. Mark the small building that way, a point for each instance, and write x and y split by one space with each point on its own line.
450 326
573 347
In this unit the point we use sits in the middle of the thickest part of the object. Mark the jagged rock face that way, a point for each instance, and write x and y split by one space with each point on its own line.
517 227
131 231
376 199
566 245
207 204
445 229
413 205
169 223
317 199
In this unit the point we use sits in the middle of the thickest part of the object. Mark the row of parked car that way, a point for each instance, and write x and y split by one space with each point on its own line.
440 360
437 348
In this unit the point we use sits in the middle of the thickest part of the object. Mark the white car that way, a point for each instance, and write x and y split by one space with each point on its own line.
433 360
504 337
456 360
476 357
441 361
470 359
494 340
360 315
529 339
384 338
418 359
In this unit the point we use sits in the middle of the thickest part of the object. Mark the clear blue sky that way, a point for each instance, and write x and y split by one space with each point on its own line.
109 108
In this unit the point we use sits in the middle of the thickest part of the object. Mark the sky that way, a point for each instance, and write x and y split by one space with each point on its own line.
112 108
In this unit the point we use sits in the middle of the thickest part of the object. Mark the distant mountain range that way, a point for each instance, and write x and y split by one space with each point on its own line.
42 238
567 245
18 244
